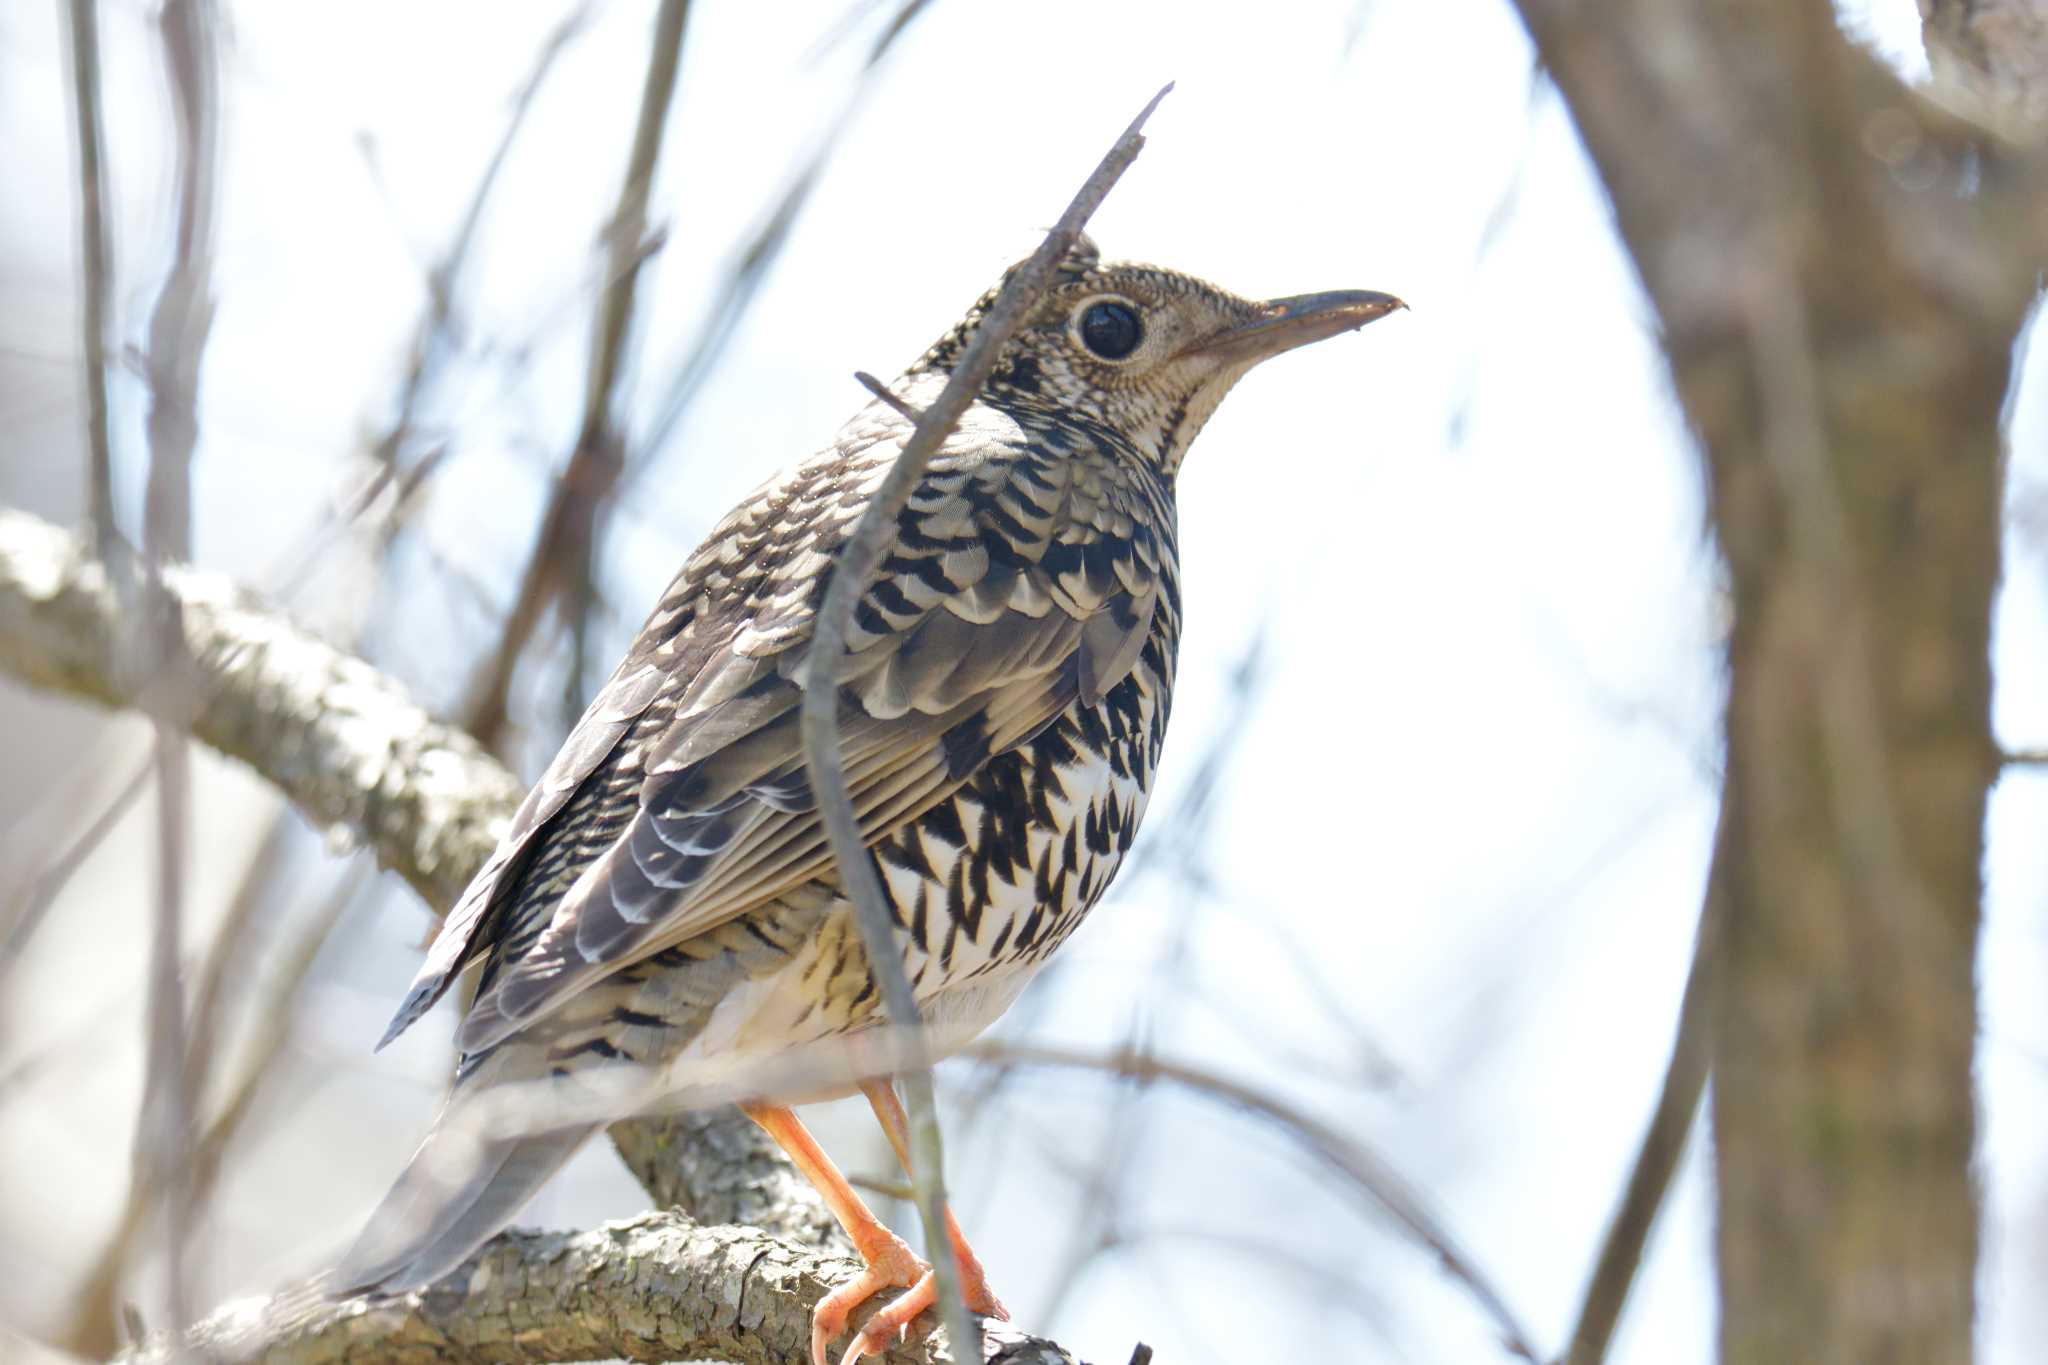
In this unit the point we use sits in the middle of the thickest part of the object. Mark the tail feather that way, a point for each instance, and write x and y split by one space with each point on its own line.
456 1193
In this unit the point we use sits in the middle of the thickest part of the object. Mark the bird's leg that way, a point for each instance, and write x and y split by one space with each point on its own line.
888 1260
882 1327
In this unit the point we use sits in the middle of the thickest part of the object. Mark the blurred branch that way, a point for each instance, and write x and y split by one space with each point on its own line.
853 568
437 325
1993 54
25 910
744 278
718 1166
339 739
96 254
564 556
92 1326
655 1287
178 332
1663 1143
1361 1169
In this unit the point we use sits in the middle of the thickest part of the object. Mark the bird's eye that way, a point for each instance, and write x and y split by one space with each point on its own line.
1111 330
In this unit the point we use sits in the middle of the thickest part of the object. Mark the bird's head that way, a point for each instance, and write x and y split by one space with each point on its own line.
1146 352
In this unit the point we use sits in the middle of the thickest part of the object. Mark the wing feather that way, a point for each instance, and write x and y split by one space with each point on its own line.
617 705
940 681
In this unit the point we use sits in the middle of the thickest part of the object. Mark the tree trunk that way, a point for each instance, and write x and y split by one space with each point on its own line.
1838 309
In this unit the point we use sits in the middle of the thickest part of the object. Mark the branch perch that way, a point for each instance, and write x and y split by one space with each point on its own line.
653 1288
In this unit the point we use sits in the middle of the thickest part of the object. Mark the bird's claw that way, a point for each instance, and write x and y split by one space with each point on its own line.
890 1264
887 1326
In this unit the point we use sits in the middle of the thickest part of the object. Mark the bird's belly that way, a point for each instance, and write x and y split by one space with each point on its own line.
983 889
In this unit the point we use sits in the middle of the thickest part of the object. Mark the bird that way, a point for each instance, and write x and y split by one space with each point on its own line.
663 918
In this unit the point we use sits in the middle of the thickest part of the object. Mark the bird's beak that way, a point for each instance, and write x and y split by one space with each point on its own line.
1284 324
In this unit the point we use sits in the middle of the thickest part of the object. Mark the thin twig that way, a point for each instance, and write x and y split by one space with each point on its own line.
564 553
1364 1170
857 559
1657 1157
25 915
97 254
95 1305
889 396
757 257
435 338
178 329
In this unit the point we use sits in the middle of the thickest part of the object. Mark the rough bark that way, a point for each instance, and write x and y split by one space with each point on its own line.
719 1167
1994 55
346 745
653 1288
1838 306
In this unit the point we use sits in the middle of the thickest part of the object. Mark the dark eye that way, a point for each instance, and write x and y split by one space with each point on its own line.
1111 330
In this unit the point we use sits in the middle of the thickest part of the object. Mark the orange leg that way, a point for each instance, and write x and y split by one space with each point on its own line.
883 1327
890 1263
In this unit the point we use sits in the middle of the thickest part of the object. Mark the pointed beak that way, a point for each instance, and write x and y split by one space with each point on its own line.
1284 324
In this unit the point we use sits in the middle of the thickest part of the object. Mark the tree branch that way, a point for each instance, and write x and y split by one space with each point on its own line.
1358 1166
562 565
340 740
657 1287
97 258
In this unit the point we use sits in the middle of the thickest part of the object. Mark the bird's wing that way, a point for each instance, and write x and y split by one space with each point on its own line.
998 609
620 703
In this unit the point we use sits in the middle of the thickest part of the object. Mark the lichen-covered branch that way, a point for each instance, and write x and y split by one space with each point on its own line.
654 1288
718 1166
341 740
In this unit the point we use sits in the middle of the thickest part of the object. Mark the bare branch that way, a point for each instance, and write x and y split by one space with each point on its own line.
856 563
1663 1144
563 558
889 396
757 257
1362 1169
97 255
178 330
656 1287
718 1166
25 910
341 740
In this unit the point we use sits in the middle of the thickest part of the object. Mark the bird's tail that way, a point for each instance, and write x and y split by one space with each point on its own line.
460 1188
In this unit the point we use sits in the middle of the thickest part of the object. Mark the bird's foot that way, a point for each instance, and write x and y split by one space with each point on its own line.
886 1327
889 1264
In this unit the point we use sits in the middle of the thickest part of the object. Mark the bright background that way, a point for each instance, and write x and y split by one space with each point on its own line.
1445 896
